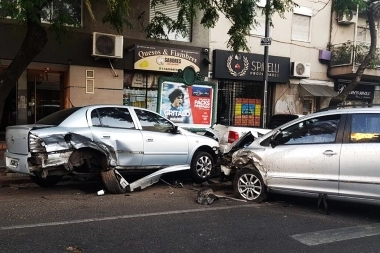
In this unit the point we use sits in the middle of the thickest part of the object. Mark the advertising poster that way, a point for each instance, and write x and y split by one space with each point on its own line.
247 112
188 106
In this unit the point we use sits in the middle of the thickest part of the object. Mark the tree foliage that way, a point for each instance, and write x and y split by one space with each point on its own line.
60 14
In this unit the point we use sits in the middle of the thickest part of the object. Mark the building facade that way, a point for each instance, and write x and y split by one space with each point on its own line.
302 38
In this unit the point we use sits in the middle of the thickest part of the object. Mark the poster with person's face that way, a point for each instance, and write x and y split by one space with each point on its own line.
189 106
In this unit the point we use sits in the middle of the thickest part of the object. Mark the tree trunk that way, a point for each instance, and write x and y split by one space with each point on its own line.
362 67
34 41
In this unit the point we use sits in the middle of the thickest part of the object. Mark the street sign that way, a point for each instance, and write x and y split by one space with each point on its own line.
266 41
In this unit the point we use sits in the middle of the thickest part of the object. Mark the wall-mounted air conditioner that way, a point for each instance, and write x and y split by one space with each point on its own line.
346 18
300 69
107 45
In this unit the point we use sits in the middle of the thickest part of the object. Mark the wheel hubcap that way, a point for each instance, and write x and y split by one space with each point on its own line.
249 186
204 166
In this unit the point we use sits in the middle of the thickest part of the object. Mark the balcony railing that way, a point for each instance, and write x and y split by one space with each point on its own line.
344 53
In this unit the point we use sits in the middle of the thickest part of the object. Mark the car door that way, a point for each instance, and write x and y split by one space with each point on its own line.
161 147
359 162
114 127
306 157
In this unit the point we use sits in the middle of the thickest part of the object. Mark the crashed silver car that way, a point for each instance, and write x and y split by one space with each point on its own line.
332 152
105 139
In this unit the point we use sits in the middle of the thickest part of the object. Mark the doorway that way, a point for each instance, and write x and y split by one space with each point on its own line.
43 94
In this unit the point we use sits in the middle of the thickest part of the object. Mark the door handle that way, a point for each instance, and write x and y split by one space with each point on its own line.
149 139
329 153
106 136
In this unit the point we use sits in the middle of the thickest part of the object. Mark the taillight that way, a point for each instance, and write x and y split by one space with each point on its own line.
232 136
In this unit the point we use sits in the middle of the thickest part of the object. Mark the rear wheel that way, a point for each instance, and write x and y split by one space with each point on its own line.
112 181
201 166
49 181
248 184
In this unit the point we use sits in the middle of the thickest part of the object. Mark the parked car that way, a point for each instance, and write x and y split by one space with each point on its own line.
229 134
333 152
102 140
279 119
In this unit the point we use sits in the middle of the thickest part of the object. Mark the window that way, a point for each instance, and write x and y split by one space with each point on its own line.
112 117
69 12
153 122
316 130
170 9
259 28
301 24
365 128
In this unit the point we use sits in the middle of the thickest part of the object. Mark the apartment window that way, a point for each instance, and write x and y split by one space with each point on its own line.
170 9
70 10
259 28
301 24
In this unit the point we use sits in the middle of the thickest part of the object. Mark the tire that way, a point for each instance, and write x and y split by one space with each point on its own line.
111 181
201 166
249 185
47 182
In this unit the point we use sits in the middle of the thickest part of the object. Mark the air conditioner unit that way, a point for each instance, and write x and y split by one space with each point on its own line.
346 18
107 45
300 69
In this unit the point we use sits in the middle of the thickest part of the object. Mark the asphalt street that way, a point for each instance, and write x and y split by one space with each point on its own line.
165 217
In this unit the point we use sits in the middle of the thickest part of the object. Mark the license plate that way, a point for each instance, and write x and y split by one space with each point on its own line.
13 162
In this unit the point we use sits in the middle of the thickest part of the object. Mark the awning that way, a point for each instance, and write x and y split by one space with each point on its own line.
317 90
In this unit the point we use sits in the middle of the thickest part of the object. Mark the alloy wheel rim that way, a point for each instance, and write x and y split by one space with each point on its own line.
204 166
249 186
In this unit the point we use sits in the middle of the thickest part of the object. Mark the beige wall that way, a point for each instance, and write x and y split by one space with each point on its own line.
108 87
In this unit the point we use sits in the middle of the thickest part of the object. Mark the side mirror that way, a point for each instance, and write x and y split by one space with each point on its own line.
174 130
274 138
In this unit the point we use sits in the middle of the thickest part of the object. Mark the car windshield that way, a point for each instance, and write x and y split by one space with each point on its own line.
57 117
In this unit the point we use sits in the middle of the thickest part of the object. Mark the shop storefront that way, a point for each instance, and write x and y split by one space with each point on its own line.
241 87
361 94
150 62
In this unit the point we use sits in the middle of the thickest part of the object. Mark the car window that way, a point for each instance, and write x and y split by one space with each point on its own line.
316 130
112 117
58 117
365 128
153 122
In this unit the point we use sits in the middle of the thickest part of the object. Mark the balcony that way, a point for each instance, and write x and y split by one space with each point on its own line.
345 58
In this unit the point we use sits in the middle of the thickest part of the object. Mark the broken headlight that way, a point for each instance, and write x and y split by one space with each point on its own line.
36 145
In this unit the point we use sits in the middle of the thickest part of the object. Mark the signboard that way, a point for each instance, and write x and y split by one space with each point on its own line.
267 41
250 67
188 106
165 59
360 92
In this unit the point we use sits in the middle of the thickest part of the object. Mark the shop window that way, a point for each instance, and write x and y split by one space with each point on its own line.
140 89
170 9
301 24
239 103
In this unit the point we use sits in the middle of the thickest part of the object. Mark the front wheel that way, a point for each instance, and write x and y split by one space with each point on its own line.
248 184
114 182
201 166
47 182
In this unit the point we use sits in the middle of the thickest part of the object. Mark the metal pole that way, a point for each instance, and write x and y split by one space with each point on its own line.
266 59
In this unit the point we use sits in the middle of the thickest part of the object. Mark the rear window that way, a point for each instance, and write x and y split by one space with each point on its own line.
58 117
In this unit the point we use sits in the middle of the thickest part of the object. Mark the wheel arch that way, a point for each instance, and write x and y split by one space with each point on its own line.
207 149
